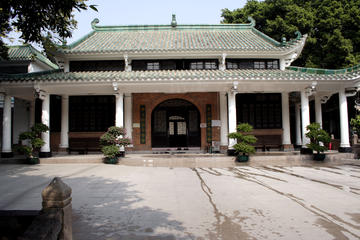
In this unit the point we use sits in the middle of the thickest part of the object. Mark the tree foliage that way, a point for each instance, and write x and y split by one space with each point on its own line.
111 141
39 19
243 139
34 139
355 124
317 136
333 27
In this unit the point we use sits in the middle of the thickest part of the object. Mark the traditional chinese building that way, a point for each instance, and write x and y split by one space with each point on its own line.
181 87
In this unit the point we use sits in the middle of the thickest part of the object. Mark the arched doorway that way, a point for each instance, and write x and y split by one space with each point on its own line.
175 123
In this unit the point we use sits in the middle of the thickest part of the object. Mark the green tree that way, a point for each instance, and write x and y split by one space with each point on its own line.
243 139
38 19
317 136
333 27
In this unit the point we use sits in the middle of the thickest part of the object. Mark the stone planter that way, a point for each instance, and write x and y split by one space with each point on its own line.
33 160
319 157
242 158
113 160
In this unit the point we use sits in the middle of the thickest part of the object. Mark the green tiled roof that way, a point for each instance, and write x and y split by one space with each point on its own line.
175 75
177 38
28 53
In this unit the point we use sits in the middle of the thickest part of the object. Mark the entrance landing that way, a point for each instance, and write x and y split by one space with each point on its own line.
209 160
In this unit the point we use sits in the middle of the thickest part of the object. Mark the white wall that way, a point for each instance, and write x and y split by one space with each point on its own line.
37 67
21 118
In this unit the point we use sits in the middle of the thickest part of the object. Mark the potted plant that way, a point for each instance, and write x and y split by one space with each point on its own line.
34 142
355 124
243 141
111 143
318 138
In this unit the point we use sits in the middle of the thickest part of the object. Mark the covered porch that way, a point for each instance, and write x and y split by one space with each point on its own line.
218 95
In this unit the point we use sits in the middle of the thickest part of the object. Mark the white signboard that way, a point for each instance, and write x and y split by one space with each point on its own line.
202 125
136 125
216 123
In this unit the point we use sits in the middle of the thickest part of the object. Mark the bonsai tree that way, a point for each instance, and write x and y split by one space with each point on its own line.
355 124
243 141
317 136
34 141
111 141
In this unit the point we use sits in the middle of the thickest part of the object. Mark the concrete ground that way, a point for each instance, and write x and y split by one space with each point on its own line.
268 201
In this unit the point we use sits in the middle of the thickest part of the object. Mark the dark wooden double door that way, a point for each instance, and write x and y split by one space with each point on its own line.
175 123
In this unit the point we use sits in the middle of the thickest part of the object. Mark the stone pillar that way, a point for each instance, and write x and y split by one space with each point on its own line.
119 114
298 125
6 150
286 122
45 119
31 113
231 119
128 115
344 123
57 197
224 122
64 136
318 112
305 117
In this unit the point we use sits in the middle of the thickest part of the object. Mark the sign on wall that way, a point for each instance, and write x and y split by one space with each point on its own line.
216 123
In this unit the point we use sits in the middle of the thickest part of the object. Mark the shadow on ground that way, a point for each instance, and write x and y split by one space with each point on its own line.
110 210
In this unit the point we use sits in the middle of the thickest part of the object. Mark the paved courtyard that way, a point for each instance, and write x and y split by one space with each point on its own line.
238 202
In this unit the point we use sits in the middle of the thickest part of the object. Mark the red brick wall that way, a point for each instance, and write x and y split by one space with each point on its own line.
151 100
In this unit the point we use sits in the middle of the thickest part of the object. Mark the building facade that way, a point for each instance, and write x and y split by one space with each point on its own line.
181 87
21 60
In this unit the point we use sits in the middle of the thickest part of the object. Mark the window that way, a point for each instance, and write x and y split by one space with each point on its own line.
232 65
196 65
259 65
204 64
210 65
55 113
174 64
153 66
260 110
91 113
272 64
252 64
109 65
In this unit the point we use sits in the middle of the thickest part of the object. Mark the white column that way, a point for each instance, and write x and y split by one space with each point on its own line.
128 115
224 120
232 116
318 113
119 114
285 118
64 136
6 137
298 124
45 119
31 113
344 121
305 116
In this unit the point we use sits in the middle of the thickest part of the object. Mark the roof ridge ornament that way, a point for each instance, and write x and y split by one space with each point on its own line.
173 21
252 21
94 22
298 35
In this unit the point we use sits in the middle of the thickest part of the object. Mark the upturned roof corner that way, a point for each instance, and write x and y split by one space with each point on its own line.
94 22
252 21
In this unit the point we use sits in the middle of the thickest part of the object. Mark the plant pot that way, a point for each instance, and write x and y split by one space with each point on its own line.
113 160
319 157
242 158
33 160
121 154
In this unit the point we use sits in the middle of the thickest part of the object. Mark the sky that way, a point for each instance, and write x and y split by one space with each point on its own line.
142 12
